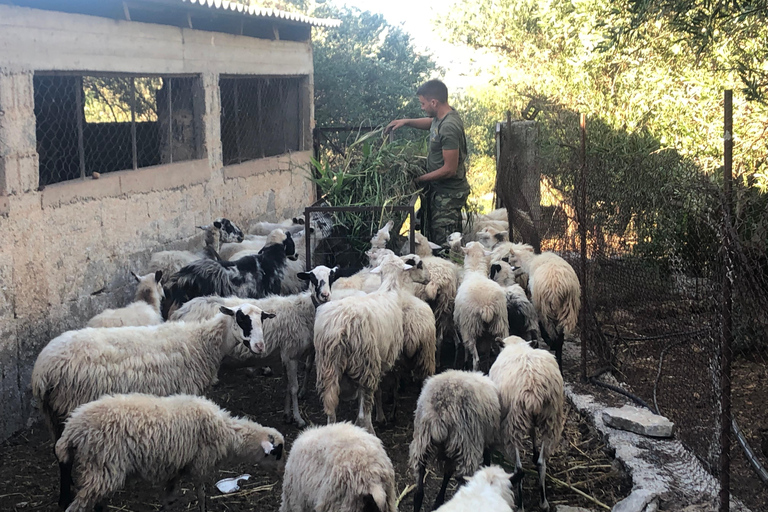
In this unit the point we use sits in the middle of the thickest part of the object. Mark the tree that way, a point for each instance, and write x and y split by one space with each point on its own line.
366 71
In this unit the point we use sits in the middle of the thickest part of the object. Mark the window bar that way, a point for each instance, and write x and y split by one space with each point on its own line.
80 116
237 122
134 150
284 84
170 120
259 117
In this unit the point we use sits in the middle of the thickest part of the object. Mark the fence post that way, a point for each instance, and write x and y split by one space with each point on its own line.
727 332
582 216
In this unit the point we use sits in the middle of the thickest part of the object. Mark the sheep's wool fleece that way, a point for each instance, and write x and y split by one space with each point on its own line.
334 467
156 437
488 490
531 392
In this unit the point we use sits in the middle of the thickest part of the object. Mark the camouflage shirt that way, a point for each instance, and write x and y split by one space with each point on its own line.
448 133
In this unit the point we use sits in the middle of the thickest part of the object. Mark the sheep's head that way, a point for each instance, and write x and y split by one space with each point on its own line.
520 254
454 240
390 265
262 446
376 256
418 272
503 273
476 257
228 232
490 237
320 278
279 236
424 247
380 239
149 290
497 479
248 326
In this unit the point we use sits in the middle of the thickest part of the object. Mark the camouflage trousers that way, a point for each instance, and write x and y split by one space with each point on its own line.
442 215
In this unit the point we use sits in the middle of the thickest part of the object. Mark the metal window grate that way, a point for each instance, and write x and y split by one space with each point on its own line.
260 117
90 123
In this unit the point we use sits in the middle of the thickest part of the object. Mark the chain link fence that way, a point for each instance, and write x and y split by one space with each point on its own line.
260 117
90 123
661 259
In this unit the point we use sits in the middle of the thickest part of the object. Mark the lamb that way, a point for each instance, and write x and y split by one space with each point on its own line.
532 398
292 283
521 314
488 489
79 366
457 418
290 331
144 310
253 276
170 262
360 337
555 293
481 304
156 439
339 468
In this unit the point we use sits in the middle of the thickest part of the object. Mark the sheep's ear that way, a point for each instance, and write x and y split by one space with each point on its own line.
265 315
434 246
407 267
304 276
495 269
505 259
288 234
217 224
501 236
376 270
410 261
267 446
420 265
227 311
277 452
204 228
135 276
158 276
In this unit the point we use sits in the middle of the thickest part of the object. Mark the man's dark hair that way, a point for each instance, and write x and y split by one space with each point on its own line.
434 90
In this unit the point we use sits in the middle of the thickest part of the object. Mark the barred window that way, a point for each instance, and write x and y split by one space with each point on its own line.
90 123
260 116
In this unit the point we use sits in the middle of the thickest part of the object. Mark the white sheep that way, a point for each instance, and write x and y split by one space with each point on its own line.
235 251
456 419
555 293
360 337
290 332
363 280
532 402
293 225
157 439
79 366
523 320
144 310
490 489
481 305
490 237
338 468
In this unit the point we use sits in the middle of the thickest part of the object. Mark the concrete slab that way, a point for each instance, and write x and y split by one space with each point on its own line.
639 421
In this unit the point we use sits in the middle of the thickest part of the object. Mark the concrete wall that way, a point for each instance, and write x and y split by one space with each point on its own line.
66 250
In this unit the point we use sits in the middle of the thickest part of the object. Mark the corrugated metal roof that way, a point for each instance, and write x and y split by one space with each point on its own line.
263 12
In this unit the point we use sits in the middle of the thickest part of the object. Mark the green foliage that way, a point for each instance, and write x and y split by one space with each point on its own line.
366 71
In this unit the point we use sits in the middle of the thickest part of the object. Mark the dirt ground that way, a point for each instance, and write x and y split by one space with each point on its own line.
29 474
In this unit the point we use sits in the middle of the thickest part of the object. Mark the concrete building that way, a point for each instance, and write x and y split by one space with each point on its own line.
184 111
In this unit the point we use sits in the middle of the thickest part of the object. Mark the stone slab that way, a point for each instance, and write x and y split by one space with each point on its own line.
639 421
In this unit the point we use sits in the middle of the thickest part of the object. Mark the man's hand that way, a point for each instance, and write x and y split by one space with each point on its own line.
394 125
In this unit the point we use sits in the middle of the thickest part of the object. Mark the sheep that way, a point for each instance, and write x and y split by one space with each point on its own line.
338 468
489 489
523 320
490 237
555 293
292 283
455 253
456 419
144 310
253 276
170 262
290 331
360 337
532 398
363 280
235 251
80 366
440 292
293 225
157 439
481 305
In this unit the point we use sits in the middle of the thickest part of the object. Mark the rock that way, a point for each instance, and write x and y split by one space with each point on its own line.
639 421
635 502
566 508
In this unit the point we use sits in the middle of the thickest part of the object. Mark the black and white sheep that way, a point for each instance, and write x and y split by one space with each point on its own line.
254 276
338 468
144 310
532 403
523 320
157 439
456 420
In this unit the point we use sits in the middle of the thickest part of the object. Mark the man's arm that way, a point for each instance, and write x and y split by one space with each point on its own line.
422 123
448 170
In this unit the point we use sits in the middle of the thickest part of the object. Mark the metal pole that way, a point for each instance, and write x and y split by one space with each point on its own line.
170 120
80 120
134 151
307 234
582 216
237 121
727 333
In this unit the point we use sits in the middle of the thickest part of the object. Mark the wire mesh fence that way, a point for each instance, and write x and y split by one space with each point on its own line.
260 117
660 262
90 123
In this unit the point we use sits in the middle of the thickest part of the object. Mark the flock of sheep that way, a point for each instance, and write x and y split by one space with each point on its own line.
123 396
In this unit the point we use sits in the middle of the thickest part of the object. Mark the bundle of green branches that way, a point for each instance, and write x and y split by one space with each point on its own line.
373 171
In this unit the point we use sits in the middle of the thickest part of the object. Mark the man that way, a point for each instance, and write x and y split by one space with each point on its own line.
445 180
